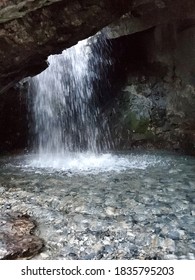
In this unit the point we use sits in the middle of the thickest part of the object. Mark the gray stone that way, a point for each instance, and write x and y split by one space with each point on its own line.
176 235
170 257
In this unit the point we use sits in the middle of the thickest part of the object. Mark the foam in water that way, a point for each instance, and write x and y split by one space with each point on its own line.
93 163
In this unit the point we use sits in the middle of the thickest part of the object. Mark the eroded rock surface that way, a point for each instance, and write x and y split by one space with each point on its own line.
16 237
155 104
32 30
147 14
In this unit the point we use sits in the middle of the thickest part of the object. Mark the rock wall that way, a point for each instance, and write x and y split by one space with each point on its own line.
155 106
145 14
32 30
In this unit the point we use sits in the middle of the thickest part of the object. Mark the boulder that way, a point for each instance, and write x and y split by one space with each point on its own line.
17 238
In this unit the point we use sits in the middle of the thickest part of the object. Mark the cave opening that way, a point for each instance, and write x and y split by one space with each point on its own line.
135 80
95 146
114 58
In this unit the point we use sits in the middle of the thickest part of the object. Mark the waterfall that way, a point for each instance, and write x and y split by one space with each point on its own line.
66 116
67 102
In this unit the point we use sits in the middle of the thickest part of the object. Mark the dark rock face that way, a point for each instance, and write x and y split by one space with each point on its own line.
155 107
13 120
32 30
147 14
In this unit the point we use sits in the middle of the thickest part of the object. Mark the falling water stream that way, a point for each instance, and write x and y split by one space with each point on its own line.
66 119
68 127
91 202
63 117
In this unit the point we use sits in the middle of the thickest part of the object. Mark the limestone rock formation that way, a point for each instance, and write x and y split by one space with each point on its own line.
32 30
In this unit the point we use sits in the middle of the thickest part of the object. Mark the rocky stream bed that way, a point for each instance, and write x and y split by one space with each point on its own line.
141 208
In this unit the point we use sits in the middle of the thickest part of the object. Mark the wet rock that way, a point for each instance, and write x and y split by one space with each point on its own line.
155 107
73 256
191 256
176 235
2 189
111 211
17 237
143 19
170 257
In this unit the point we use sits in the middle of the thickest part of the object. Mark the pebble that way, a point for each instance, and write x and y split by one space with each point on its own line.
170 257
176 234
2 189
191 256
110 211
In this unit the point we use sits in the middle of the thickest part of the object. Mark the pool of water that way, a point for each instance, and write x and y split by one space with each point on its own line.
110 206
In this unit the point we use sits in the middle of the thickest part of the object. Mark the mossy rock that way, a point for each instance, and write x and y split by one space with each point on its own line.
135 124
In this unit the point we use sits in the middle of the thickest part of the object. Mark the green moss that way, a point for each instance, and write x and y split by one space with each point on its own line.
150 135
135 124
